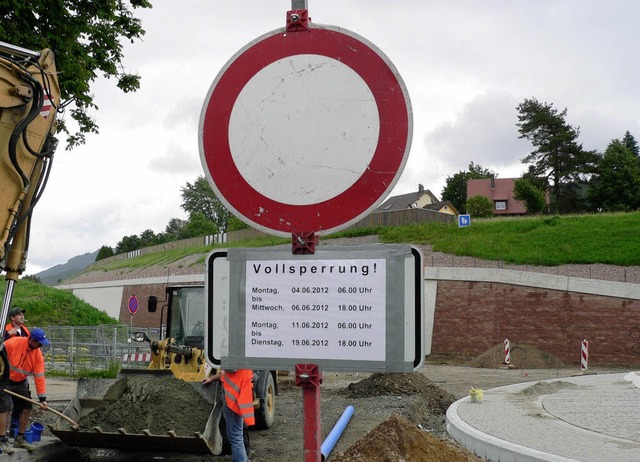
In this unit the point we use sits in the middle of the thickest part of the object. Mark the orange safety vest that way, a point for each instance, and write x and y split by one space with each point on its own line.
24 361
25 331
238 393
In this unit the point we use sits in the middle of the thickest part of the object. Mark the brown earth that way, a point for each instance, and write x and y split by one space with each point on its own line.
398 417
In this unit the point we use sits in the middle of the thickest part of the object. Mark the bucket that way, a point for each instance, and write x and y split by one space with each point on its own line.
476 395
28 435
37 428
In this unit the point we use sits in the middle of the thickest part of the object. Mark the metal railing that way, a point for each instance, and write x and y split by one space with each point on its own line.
75 349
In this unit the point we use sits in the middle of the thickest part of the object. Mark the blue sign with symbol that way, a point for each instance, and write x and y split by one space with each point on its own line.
133 304
464 221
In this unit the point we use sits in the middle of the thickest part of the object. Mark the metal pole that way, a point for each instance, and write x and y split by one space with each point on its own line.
309 378
18 51
6 302
299 5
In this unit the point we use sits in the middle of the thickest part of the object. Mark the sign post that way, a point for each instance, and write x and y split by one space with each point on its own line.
304 132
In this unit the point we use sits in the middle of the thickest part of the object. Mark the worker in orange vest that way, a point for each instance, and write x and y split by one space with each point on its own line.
25 358
237 409
16 327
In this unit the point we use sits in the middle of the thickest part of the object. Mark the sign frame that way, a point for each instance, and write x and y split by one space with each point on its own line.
225 316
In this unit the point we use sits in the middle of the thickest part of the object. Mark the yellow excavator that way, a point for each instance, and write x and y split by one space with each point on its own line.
29 102
179 354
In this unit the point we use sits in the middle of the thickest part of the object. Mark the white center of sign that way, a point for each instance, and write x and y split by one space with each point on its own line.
311 137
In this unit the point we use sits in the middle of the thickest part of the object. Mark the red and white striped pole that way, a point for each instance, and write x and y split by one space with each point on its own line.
507 351
584 355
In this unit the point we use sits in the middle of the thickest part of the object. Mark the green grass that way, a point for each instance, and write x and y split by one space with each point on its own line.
47 306
581 239
548 240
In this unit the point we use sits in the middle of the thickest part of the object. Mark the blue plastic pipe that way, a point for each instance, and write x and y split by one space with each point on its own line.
335 433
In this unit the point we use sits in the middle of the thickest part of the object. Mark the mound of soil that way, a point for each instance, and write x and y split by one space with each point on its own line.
545 388
522 357
158 404
393 384
398 440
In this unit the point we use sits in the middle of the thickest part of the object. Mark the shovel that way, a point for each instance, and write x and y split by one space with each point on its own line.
73 423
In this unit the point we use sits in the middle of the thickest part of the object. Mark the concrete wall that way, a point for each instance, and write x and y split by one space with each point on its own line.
476 309
469 310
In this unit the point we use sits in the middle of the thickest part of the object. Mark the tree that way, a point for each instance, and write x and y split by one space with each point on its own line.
532 196
86 37
128 244
631 144
617 184
479 206
199 225
557 156
200 198
104 252
455 190
175 230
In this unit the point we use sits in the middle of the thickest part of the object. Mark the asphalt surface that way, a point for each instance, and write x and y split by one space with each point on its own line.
591 418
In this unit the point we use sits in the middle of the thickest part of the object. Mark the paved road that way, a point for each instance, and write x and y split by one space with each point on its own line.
590 418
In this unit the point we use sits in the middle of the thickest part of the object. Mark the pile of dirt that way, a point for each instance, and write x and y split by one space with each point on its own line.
545 388
522 357
394 384
398 440
159 405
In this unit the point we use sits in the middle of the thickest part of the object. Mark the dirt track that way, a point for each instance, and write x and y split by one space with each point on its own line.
284 441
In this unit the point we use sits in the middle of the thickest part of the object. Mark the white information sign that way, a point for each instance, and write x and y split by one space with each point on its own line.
332 309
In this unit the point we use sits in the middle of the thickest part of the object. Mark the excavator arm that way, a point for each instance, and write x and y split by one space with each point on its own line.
29 100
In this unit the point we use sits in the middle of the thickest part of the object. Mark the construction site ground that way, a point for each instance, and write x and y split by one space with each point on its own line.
397 416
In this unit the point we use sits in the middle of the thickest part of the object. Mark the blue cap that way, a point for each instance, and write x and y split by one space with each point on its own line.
38 335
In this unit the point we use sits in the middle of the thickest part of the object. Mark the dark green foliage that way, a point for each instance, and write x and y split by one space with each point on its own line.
200 198
479 206
234 224
557 155
532 197
87 38
616 186
104 252
630 143
455 190
128 244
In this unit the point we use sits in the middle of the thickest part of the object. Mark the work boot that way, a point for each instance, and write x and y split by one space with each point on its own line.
5 447
20 442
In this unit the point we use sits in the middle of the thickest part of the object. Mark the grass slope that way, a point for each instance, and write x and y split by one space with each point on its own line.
47 306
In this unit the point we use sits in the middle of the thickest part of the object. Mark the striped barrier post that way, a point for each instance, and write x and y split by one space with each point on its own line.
136 357
584 355
507 351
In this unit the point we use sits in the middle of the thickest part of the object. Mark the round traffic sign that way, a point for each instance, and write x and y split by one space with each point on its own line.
133 304
305 131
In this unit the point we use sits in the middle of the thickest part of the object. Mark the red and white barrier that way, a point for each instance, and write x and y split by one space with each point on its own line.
507 351
136 357
584 355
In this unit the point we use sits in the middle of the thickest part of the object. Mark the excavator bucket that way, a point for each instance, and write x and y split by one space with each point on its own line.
128 413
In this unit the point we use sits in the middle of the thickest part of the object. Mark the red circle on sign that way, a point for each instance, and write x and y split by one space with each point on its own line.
366 192
133 304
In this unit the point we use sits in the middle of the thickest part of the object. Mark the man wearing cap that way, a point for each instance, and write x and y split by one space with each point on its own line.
25 358
16 327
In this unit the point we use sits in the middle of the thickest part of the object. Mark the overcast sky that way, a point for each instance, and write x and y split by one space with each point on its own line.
466 65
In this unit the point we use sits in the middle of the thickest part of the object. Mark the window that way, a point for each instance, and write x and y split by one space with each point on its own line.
501 205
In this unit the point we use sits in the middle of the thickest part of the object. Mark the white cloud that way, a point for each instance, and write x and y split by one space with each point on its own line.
466 65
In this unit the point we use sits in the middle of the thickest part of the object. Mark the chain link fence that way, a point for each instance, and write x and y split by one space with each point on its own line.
75 349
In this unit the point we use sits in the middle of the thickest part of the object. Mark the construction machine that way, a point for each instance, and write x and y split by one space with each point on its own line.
29 103
180 353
